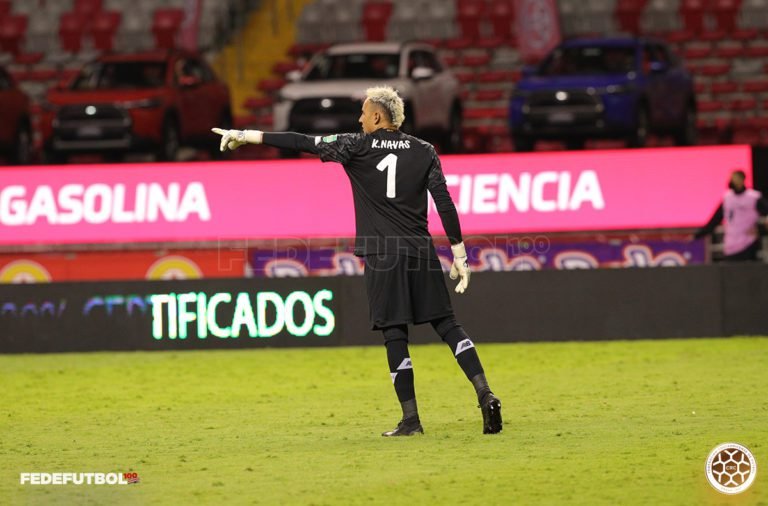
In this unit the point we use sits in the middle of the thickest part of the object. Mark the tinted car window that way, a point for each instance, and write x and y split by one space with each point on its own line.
121 75
423 59
432 62
589 60
355 66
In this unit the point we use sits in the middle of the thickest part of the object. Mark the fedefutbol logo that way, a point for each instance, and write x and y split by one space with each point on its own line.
731 468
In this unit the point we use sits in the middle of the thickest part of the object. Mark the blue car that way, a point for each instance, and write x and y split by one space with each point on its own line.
616 88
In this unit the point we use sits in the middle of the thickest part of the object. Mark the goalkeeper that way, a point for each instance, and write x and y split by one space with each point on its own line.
391 173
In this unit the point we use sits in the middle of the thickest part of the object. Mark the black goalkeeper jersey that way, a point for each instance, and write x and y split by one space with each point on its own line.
390 173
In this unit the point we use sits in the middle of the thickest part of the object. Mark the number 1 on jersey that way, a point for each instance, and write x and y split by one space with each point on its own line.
389 163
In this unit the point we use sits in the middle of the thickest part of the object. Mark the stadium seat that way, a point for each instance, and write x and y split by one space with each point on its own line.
714 69
13 29
5 8
103 29
724 88
755 86
692 12
165 27
475 60
502 16
71 30
725 14
375 19
271 85
705 106
628 14
729 49
489 95
281 68
88 8
469 15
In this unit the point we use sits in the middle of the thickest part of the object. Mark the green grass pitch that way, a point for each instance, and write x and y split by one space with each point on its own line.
610 423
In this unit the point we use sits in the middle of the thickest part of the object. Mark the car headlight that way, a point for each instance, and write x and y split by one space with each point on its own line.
148 103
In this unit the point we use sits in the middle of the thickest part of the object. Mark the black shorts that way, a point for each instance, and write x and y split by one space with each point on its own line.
403 289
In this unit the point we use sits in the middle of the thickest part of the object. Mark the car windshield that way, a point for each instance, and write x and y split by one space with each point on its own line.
589 60
355 66
121 75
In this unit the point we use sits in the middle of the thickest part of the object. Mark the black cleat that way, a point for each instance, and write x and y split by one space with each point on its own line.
491 408
406 427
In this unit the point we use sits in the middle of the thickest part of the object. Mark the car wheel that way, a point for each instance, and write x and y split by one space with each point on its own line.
452 142
170 144
523 143
22 148
639 137
688 134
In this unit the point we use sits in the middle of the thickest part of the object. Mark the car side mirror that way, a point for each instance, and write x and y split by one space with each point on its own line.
422 73
189 81
293 76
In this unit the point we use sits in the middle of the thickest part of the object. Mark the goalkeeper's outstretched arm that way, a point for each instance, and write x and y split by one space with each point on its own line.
335 148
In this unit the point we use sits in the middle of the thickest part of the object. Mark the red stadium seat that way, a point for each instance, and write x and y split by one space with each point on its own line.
755 86
729 50
165 27
756 52
697 52
725 14
5 8
628 14
700 87
724 88
283 67
476 60
469 13
71 29
458 44
692 13
486 113
12 32
489 95
87 8
502 16
465 77
103 28
742 104
255 103
714 69
709 106
375 19
270 85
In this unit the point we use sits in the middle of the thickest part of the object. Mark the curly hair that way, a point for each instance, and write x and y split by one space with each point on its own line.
387 98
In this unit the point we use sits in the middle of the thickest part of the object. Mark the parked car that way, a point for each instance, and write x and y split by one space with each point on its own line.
621 88
140 102
326 97
15 125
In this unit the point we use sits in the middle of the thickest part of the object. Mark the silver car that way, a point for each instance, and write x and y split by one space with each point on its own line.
326 97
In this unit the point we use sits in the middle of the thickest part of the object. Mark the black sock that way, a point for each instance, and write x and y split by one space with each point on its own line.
460 344
400 368
481 387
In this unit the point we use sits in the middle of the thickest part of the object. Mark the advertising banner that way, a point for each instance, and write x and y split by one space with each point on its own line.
121 265
700 301
494 194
